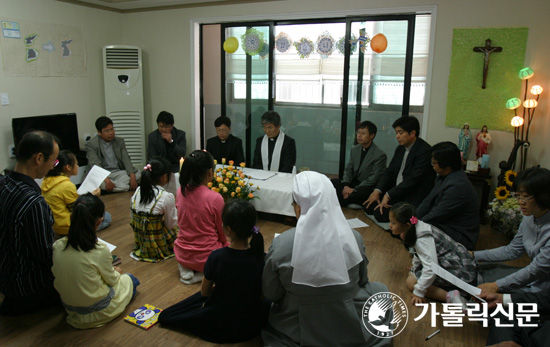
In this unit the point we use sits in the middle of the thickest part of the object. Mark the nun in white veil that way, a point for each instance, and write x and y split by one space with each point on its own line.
316 274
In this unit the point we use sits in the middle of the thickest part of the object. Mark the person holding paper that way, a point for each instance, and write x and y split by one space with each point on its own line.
60 193
109 152
275 151
533 237
26 234
512 333
431 246
93 292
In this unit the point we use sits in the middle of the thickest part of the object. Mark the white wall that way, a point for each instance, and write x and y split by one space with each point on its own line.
166 38
30 96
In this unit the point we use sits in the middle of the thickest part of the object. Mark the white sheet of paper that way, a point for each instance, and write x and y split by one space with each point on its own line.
109 245
446 275
93 180
357 223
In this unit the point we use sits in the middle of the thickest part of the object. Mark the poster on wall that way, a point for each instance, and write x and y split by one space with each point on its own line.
467 100
35 49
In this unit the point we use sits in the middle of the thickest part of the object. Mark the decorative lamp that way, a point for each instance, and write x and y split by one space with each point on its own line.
536 90
517 121
526 73
513 103
522 123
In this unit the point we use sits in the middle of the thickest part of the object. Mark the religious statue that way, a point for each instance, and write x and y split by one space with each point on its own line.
483 139
464 140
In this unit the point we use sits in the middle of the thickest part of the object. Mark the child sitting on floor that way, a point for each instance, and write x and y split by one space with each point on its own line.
154 216
229 308
92 291
60 193
431 246
199 217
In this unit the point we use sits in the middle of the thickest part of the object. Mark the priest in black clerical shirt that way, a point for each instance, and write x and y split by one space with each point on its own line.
225 145
275 151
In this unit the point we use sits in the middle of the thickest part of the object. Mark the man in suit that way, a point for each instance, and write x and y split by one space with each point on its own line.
167 141
367 162
409 177
274 151
520 335
109 152
452 204
225 145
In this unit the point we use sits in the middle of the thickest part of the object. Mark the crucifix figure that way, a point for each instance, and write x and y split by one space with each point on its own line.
486 51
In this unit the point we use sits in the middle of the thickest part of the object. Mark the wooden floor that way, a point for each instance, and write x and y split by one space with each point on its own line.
160 287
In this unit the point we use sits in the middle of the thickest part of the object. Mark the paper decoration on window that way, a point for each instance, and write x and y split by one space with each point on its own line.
283 42
264 51
341 45
304 47
325 45
362 40
252 41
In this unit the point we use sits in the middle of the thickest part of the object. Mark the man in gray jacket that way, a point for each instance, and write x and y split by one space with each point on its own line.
367 162
109 152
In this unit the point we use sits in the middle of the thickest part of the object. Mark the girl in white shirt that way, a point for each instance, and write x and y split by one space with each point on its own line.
154 216
431 246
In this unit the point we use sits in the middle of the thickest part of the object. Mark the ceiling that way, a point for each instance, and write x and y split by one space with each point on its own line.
125 6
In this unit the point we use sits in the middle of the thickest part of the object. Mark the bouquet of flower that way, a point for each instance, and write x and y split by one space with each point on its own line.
504 209
231 182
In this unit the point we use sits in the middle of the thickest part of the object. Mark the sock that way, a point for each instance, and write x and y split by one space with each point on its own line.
185 273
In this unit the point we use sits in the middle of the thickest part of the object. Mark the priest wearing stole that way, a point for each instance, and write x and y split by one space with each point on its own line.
274 151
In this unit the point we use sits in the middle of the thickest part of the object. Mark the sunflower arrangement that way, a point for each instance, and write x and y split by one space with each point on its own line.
231 182
504 209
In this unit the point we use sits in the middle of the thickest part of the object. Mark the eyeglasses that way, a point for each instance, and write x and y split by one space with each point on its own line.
524 199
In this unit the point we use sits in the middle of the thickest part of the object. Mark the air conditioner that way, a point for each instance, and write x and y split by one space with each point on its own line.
122 69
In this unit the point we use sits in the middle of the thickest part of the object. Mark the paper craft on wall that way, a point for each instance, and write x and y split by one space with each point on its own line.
466 100
37 49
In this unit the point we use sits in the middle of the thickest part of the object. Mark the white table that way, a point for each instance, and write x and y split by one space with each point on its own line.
275 194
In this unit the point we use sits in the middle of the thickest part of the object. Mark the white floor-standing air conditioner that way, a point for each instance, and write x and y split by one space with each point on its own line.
122 68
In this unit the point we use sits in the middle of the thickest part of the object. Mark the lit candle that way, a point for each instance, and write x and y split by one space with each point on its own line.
181 162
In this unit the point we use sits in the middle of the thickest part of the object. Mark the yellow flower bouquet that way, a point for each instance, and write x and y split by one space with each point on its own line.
504 209
231 182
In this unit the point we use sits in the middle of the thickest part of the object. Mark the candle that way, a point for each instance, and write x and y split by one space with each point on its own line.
181 162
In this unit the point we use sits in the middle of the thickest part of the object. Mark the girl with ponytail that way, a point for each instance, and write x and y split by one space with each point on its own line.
93 292
60 193
229 308
154 216
432 246
199 217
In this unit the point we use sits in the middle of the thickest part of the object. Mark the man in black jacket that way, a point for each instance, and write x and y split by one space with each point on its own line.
225 145
409 177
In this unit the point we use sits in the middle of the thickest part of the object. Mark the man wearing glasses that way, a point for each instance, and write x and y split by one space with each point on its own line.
275 151
225 145
367 162
109 152
26 234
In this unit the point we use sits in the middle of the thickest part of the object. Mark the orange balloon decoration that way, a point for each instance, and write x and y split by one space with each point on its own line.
379 43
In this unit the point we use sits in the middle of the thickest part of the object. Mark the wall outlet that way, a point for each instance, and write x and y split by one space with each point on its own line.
11 151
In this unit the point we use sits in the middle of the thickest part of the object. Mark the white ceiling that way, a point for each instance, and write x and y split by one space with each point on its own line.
151 5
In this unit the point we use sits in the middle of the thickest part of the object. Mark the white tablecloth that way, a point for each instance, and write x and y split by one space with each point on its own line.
275 194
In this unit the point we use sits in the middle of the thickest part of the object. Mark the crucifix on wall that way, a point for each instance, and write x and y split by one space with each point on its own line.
487 50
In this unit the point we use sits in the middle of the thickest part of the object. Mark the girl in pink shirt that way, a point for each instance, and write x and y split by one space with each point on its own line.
199 217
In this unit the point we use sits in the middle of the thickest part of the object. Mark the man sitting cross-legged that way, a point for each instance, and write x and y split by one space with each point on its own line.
367 162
